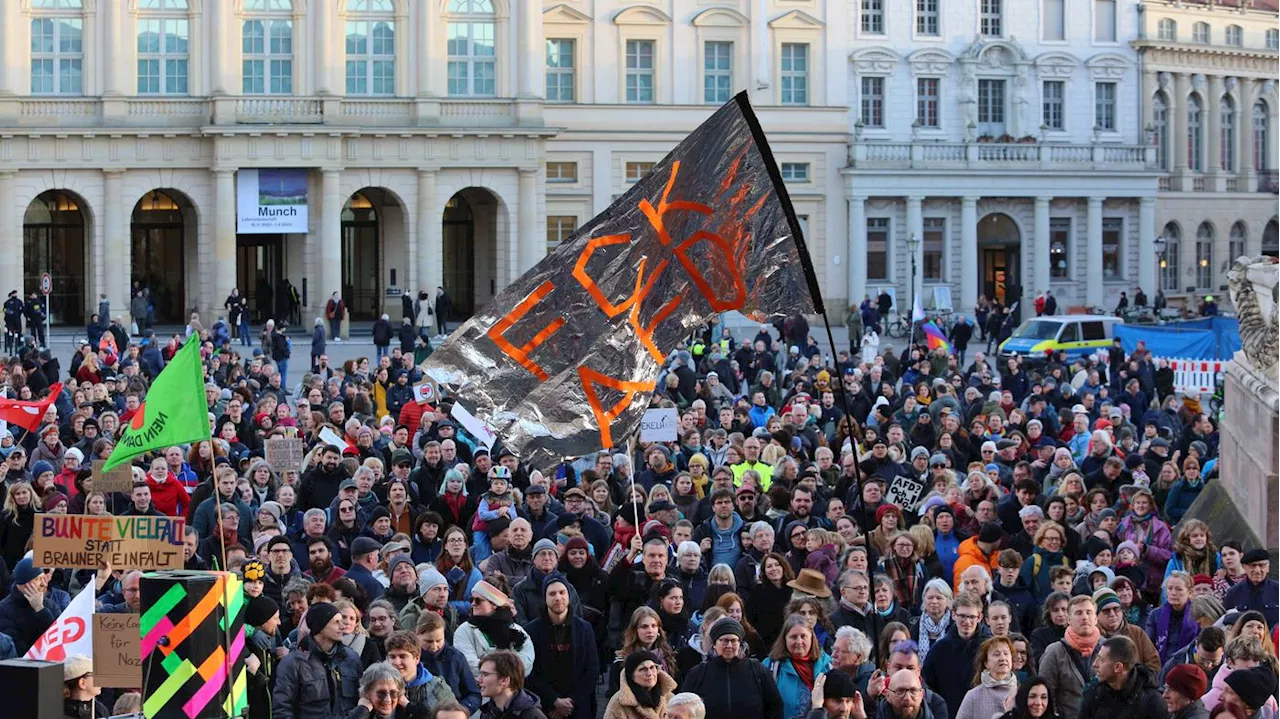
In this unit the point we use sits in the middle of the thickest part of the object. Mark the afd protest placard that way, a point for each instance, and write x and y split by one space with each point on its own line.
116 650
659 425
284 454
73 541
117 479
905 491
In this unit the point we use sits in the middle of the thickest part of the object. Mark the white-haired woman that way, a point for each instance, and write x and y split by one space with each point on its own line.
382 694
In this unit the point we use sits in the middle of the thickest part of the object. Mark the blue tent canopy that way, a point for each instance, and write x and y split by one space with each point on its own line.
1207 338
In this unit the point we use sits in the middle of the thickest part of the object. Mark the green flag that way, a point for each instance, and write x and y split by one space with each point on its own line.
175 411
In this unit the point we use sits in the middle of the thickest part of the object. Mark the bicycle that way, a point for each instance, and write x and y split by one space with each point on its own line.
898 327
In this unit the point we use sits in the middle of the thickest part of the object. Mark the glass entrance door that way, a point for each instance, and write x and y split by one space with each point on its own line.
158 248
459 257
360 259
260 272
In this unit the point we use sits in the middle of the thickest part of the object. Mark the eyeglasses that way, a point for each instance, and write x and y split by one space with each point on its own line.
456 540
387 694
283 550
969 617
910 692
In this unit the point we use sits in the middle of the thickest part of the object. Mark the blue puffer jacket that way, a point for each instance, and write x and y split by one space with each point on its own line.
795 695
1181 495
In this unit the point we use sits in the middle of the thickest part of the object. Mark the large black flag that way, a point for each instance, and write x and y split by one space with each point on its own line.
564 360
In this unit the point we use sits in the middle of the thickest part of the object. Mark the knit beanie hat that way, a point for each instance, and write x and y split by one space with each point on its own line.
259 610
839 686
319 616
636 658
727 626
1105 597
25 571
1254 685
430 578
488 592
1188 680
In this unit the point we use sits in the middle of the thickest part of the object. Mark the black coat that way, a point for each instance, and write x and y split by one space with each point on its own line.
948 669
585 666
382 332
303 681
14 533
1139 698
741 689
23 624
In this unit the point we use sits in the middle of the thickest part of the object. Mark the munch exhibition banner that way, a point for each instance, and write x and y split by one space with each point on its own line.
564 360
271 200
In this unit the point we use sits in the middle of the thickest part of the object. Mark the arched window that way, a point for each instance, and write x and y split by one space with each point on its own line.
1261 136
473 68
1227 112
1169 262
266 47
1235 35
57 47
1160 123
371 47
1237 244
1200 33
1204 256
1195 134
164 34
1168 30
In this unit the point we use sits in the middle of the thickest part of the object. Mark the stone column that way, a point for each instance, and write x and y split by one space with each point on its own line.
1093 254
110 14
857 249
329 272
527 225
118 247
1041 264
1147 245
10 235
430 234
1150 81
1213 133
325 50
1181 86
532 51
1244 125
426 40
14 42
915 226
218 17
224 241
968 253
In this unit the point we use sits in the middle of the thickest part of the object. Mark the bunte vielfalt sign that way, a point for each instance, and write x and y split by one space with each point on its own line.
564 360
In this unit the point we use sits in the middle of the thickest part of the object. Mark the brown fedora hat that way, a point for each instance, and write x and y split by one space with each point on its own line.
811 581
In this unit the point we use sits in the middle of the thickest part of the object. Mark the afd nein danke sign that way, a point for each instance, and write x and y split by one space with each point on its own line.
270 201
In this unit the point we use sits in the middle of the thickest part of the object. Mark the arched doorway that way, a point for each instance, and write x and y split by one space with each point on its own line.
473 222
53 241
1271 239
367 218
159 239
999 257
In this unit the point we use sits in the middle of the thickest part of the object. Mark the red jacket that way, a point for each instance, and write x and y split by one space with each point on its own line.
170 497
411 415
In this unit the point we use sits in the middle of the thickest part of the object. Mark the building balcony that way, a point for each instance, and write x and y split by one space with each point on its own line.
989 156
1247 182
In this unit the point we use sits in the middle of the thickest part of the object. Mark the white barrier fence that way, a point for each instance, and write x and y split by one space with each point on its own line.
1190 376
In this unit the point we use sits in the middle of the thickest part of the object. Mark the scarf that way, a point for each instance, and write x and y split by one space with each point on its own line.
498 628
647 698
804 669
675 625
1197 561
1082 643
455 503
931 631
1187 628
888 611
1010 682
902 572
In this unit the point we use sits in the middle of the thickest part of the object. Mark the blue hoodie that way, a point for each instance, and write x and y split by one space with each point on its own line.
948 548
726 547
449 664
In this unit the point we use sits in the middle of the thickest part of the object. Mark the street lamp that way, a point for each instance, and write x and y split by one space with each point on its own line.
1160 245
913 243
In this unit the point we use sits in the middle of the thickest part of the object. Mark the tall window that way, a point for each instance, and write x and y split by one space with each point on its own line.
927 18
57 48
473 62
927 101
717 72
1261 136
873 17
266 48
1204 256
1195 135
1104 20
935 235
872 102
1172 256
371 48
1060 248
1235 248
1112 248
795 74
1053 98
1104 105
559 229
1053 20
877 248
1200 33
1273 39
992 20
1160 123
163 35
1227 121
640 71
1235 35
559 70
1167 30
991 107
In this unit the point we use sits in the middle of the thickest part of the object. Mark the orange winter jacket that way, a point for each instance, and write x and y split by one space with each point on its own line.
971 554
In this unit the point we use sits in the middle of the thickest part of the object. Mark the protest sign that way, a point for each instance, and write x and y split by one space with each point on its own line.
905 492
285 455
116 641
424 392
659 425
482 432
117 479
71 633
85 542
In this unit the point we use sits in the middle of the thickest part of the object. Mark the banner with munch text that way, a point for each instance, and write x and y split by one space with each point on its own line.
75 541
564 361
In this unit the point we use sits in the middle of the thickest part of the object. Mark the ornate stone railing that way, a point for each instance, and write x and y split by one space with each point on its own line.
924 155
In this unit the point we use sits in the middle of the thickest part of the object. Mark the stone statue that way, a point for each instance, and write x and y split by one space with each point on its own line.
1253 284
968 96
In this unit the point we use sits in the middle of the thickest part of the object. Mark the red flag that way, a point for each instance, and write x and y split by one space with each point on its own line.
28 414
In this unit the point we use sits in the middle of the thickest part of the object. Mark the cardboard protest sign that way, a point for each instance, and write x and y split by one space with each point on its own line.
285 455
659 425
905 492
117 479
75 541
116 658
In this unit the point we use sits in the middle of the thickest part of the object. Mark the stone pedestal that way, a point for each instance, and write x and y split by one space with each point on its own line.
1248 448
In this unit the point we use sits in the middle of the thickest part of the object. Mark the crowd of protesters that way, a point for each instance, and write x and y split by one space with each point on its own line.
891 535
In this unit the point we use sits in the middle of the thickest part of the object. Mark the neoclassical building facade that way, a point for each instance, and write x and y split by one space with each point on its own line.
1001 141
1209 100
443 142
